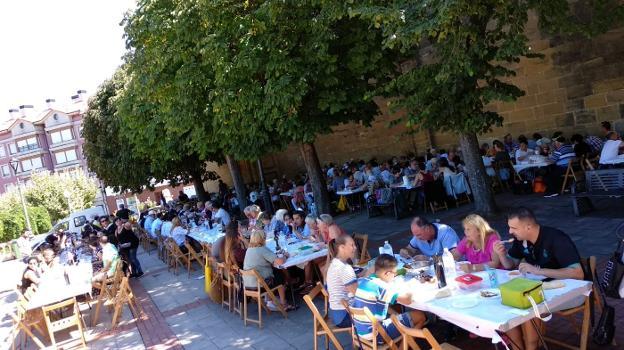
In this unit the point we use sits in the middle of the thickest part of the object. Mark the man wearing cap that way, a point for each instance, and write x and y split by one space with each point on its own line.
149 220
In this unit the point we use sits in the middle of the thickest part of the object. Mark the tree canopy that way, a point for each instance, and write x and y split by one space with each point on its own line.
464 52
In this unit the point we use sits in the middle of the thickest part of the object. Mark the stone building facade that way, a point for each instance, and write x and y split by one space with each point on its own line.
576 85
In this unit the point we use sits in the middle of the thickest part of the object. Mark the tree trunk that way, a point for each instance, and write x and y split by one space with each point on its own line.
264 191
319 187
239 183
480 181
202 195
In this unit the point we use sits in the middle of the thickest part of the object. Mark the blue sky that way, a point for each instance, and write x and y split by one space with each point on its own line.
51 48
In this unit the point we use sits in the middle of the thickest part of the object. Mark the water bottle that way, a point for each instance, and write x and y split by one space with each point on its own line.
387 248
438 266
492 276
449 266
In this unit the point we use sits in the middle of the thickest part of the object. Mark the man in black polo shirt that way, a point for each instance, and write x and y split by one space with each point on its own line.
539 250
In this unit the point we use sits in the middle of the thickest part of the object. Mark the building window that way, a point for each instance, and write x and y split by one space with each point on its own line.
27 144
65 156
6 171
2 151
31 164
8 187
12 148
61 136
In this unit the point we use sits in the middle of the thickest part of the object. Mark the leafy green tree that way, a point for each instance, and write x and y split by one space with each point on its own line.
287 71
134 153
12 222
49 191
470 47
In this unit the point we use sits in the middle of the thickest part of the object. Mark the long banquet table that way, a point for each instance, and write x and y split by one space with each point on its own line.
300 252
485 317
54 288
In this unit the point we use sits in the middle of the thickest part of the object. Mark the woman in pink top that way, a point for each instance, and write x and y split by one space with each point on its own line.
478 245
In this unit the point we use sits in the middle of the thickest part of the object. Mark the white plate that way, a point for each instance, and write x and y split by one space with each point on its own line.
465 303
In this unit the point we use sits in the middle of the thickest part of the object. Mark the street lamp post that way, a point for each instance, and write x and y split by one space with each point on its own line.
15 164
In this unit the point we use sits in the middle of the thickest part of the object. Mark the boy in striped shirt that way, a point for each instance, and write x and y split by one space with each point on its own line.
375 293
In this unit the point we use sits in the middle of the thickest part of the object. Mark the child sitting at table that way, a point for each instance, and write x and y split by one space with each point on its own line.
375 293
477 247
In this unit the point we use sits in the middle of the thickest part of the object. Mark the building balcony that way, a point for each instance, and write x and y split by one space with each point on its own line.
28 151
60 145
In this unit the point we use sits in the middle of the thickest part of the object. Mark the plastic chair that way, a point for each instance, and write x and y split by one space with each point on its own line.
321 326
74 320
410 333
259 293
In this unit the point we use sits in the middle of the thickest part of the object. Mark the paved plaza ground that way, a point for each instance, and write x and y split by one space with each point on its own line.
177 313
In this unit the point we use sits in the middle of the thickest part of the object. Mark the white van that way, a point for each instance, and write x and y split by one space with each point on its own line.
75 220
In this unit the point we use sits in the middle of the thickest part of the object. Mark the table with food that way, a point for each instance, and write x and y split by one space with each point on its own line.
534 161
205 234
299 251
478 299
71 277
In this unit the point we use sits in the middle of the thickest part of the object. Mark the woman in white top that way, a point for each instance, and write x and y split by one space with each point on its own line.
341 279
611 149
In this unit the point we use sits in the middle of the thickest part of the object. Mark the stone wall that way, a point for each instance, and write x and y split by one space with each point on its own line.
577 84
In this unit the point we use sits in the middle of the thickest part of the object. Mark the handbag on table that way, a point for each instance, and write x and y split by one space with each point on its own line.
523 293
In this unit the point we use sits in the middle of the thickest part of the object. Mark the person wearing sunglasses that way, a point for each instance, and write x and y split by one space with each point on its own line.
374 292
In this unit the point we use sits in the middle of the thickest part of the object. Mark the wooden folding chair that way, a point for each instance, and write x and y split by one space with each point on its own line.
192 256
177 257
20 324
107 290
365 315
321 326
124 296
410 333
226 285
26 320
574 171
73 320
258 293
589 265
147 240
361 241
206 250
162 247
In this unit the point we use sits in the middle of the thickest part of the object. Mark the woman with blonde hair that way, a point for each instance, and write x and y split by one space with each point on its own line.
478 244
260 258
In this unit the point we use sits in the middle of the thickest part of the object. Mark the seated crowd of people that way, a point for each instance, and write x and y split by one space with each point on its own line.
558 150
536 249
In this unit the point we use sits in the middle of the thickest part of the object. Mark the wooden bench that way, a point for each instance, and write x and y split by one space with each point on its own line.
607 183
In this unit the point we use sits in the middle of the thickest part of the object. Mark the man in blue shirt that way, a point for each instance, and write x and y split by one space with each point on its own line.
429 238
563 154
374 292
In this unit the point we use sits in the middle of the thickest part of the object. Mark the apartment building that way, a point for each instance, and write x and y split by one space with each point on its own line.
45 140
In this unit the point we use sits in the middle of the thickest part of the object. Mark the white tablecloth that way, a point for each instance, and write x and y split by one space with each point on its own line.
53 287
297 254
490 315
205 235
349 192
523 166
